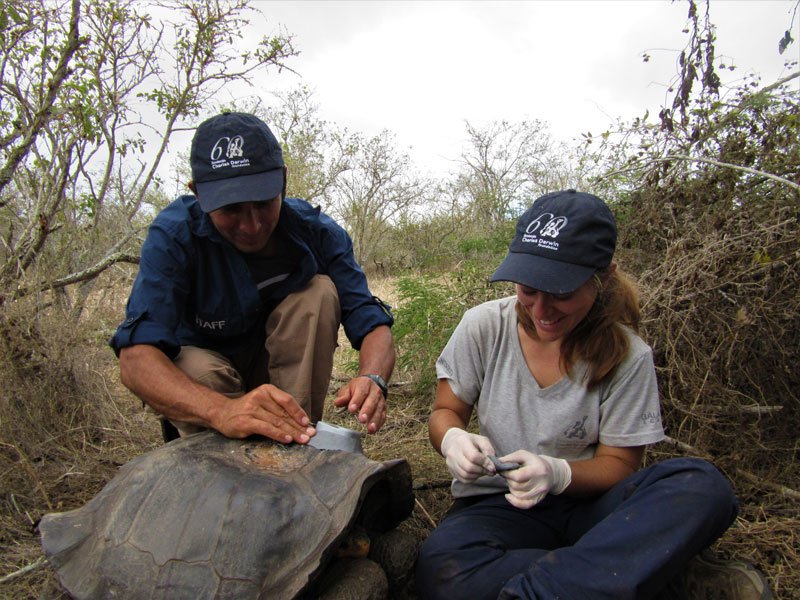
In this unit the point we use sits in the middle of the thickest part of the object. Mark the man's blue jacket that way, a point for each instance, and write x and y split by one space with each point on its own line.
195 289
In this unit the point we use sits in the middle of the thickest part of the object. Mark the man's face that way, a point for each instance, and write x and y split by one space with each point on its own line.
248 225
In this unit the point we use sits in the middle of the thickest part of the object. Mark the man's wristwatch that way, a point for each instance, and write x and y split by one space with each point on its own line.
379 381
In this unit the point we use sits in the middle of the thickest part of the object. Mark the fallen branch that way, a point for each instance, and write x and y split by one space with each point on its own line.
26 569
684 447
425 512
753 409
750 477
777 487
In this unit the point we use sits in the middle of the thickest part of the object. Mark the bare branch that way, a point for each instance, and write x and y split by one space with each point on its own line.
85 275
643 164
780 82
717 163
43 114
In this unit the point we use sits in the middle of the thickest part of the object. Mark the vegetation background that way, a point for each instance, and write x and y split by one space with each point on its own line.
707 195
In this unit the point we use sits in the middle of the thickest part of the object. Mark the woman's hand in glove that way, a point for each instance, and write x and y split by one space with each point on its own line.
467 454
537 476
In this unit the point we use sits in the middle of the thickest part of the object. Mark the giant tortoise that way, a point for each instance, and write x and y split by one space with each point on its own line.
210 517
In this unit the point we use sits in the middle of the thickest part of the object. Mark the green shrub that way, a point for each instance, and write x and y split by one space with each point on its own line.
430 308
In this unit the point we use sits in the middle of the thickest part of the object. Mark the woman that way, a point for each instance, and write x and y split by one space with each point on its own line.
565 390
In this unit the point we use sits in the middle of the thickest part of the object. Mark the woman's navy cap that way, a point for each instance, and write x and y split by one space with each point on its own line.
235 158
561 240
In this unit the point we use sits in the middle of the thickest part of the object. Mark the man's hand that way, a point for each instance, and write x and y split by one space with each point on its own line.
467 454
363 397
266 411
537 476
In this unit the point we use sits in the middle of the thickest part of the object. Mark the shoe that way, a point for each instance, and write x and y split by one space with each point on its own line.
709 578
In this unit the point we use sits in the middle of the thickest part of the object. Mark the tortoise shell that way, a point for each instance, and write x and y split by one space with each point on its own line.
210 517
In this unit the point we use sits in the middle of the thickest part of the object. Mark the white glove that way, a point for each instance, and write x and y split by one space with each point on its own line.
467 454
537 476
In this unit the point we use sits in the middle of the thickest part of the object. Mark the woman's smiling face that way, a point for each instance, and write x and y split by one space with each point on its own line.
555 315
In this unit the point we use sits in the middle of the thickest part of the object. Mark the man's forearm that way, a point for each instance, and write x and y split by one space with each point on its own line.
154 378
266 410
377 354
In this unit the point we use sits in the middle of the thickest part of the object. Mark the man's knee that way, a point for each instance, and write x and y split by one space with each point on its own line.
210 369
319 295
322 286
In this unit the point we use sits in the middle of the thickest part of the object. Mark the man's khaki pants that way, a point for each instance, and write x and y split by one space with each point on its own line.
297 357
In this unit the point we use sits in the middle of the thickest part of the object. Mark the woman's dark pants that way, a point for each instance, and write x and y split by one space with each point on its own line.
629 543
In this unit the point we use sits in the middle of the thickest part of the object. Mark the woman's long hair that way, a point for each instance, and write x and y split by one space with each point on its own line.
599 339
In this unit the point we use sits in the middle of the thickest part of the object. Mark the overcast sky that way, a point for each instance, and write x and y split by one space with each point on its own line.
420 69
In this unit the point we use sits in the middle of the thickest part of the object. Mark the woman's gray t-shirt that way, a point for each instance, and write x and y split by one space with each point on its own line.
485 367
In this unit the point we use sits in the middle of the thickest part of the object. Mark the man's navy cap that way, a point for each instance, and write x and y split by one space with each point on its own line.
561 240
235 158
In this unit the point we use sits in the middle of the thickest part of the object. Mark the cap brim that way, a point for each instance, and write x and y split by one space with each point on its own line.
544 274
257 187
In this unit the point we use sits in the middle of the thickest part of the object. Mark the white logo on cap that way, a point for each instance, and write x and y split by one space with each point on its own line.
232 148
534 225
552 227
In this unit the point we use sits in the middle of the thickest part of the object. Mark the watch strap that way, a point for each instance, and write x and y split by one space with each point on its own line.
379 381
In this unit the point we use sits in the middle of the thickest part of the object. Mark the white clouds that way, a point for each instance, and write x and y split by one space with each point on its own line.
420 69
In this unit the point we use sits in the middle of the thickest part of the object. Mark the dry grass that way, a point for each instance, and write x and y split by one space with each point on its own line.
722 313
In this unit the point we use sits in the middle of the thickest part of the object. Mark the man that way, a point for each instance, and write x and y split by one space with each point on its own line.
233 317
